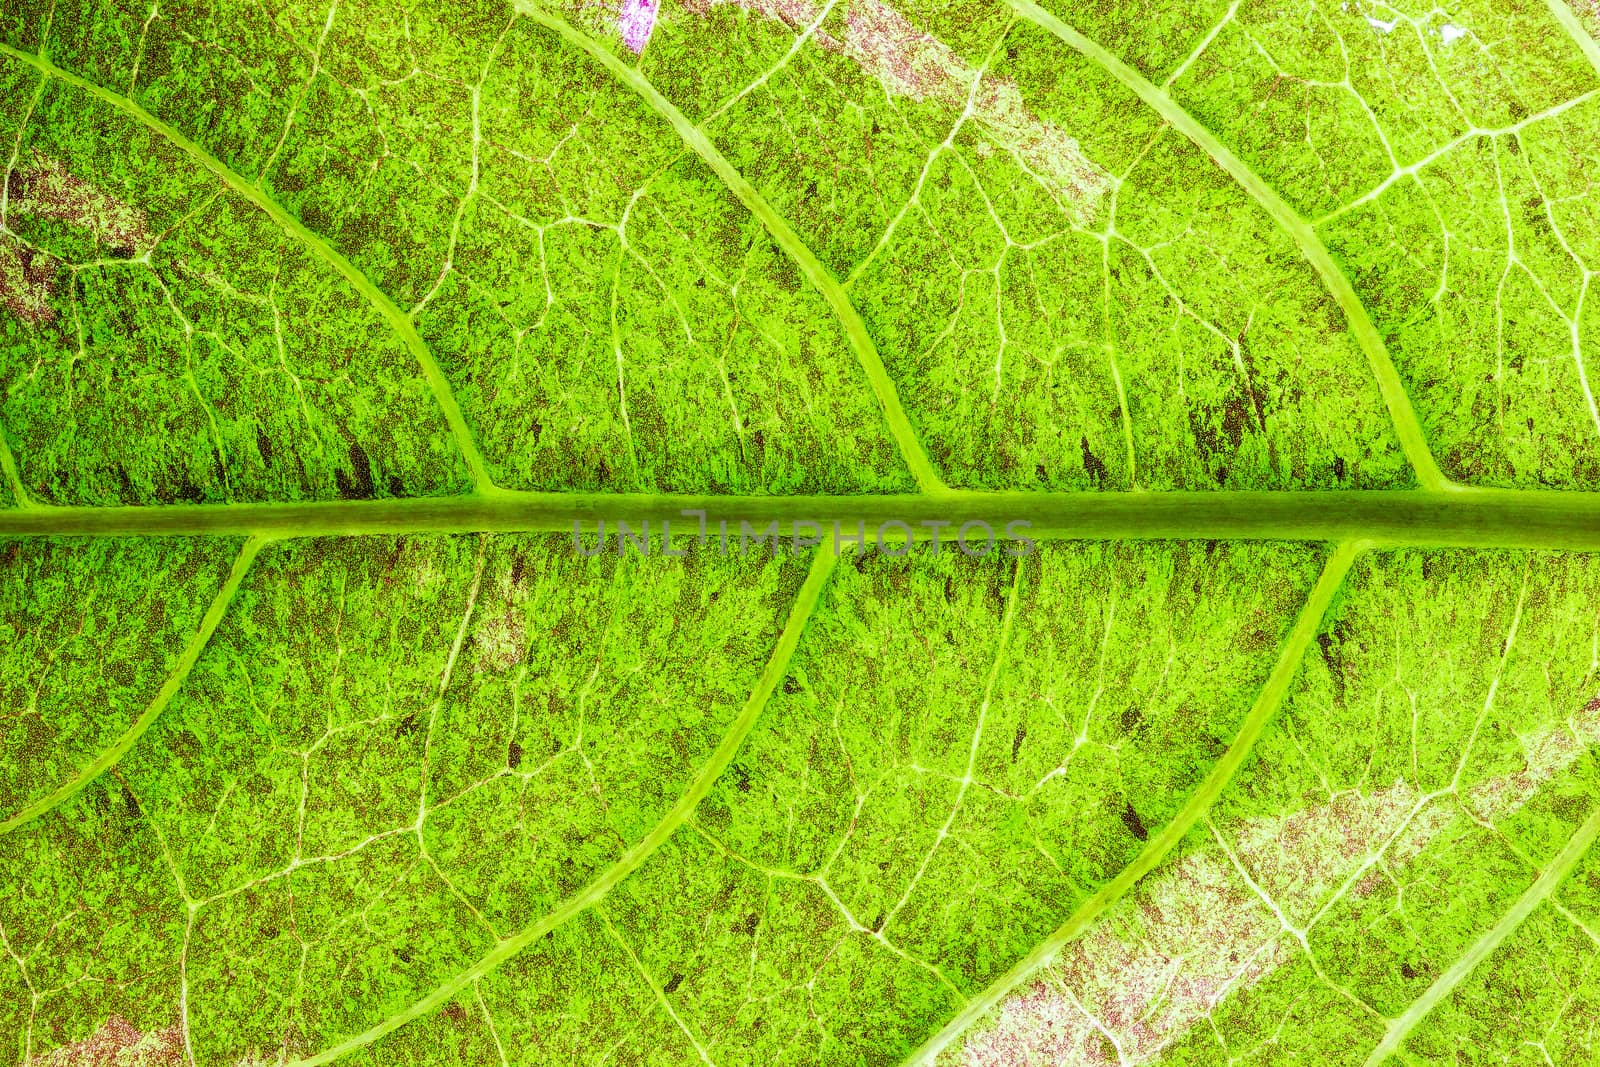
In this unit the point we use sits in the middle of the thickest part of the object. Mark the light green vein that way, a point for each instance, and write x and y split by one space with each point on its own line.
777 666
821 279
13 476
1409 429
1199 802
398 320
1536 894
1575 28
119 748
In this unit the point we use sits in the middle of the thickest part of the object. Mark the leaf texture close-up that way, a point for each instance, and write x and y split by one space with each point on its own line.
878 533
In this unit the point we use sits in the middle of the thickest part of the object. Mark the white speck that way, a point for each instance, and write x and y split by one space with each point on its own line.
1382 26
636 19
1452 33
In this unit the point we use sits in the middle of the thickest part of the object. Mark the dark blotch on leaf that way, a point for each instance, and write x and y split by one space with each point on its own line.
672 984
1091 465
1338 467
1016 742
513 755
1131 718
357 485
1408 971
877 924
790 685
188 492
1135 825
264 446
407 727
749 925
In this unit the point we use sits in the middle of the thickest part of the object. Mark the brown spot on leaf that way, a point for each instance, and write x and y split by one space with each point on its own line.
1135 825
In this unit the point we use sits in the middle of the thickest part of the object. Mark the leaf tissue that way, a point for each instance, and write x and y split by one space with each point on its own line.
877 533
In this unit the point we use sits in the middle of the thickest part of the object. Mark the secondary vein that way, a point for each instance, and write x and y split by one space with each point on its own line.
120 747
397 320
1547 882
1404 417
8 467
821 279
1562 11
777 667
1194 809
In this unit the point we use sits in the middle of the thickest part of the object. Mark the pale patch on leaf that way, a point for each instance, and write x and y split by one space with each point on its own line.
635 22
1589 14
26 280
118 1043
46 189
501 640
909 62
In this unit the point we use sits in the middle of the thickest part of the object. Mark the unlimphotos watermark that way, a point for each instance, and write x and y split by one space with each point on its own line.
893 537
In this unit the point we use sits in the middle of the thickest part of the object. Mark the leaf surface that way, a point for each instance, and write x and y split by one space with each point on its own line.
327 327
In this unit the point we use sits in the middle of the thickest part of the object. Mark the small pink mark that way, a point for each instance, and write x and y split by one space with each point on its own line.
636 19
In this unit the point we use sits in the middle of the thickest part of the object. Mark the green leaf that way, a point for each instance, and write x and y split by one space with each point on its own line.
1230 692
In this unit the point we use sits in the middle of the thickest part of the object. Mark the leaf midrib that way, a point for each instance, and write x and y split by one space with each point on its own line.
1459 518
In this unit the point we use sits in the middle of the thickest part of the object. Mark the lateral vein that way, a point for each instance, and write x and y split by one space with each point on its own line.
13 476
1562 11
1537 893
1401 413
777 666
397 320
1194 809
821 279
180 672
